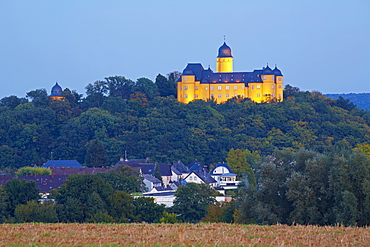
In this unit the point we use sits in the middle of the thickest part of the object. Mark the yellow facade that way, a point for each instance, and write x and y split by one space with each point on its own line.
262 85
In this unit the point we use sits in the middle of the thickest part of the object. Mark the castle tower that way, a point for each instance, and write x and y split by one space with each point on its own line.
224 60
56 92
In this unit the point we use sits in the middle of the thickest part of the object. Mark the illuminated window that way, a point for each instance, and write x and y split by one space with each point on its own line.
258 95
185 95
258 86
227 95
235 87
219 87
227 87
273 86
196 87
219 96
185 87
206 88
212 87
196 96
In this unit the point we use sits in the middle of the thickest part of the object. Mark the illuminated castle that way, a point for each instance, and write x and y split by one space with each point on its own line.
260 86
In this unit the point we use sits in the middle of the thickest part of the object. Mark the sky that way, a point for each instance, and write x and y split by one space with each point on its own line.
318 45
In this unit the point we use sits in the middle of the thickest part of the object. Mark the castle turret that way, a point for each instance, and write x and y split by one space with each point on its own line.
56 92
224 60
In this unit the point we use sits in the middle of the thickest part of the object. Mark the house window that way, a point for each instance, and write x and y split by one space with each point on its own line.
196 87
185 87
190 178
227 87
235 87
258 86
227 95
219 95
185 95
212 87
219 87
258 95
196 96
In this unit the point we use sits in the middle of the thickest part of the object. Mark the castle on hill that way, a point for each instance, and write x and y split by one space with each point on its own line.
56 92
261 85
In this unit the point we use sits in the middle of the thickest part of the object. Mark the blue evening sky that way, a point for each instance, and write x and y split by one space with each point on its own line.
318 45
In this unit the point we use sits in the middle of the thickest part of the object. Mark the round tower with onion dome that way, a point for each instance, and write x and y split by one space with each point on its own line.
56 92
224 60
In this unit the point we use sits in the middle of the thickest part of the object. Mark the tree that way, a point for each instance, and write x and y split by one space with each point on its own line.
96 94
39 97
4 205
12 101
146 210
119 86
165 86
169 218
33 171
123 178
96 155
192 201
147 87
121 207
242 162
20 192
36 212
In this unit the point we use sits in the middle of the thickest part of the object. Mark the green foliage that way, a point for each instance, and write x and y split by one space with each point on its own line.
121 207
33 171
36 212
146 210
4 205
169 218
20 192
192 201
96 155
123 178
242 163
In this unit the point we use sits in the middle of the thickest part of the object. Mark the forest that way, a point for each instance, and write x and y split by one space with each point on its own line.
144 119
306 158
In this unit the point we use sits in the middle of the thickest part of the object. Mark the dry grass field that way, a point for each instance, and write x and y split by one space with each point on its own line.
217 234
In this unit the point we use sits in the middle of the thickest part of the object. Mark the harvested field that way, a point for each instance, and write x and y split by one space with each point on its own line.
217 234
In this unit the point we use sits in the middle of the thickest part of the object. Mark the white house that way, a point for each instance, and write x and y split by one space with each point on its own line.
224 176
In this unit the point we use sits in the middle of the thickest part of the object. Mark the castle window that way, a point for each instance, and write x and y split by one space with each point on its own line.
242 86
273 95
185 87
180 87
206 88
235 95
235 87
180 96
211 95
227 87
273 77
279 78
219 95
264 77
279 86
196 96
273 86
279 95
212 87
252 87
258 95
219 87
185 95
258 86
185 78
227 95
196 87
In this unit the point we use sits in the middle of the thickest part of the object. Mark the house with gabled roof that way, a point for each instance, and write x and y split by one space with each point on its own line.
224 176
180 168
199 177
151 181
